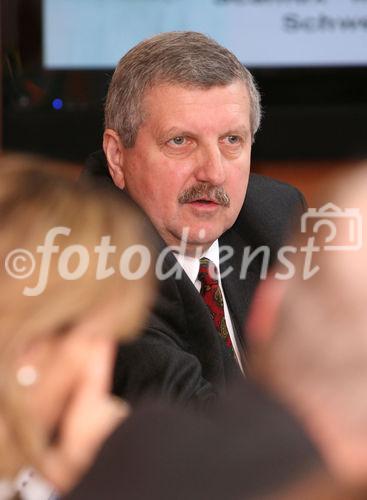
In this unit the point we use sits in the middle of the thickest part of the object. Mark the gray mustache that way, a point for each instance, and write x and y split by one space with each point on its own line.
199 191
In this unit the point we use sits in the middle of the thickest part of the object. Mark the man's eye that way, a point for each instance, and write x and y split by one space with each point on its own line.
233 139
177 141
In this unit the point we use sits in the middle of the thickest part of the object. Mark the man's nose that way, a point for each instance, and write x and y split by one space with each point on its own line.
210 166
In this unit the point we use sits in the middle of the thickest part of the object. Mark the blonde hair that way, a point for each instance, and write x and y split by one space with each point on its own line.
33 201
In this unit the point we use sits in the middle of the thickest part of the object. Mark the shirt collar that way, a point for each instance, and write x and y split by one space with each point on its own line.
191 264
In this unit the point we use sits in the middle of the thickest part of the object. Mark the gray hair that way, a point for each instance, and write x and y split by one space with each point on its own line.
183 58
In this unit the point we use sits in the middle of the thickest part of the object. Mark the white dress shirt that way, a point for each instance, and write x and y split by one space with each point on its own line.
191 267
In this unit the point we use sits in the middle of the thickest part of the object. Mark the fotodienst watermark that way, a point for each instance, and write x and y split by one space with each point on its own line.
73 261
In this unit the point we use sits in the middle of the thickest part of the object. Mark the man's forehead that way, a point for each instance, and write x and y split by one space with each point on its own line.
166 99
178 88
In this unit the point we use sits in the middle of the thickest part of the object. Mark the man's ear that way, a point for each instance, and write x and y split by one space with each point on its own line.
264 310
114 151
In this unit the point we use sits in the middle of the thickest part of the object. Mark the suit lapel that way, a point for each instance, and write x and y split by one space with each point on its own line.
238 291
197 330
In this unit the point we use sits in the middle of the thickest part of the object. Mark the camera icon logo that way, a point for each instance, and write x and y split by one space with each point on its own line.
344 226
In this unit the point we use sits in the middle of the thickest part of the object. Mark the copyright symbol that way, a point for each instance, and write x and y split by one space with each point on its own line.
19 264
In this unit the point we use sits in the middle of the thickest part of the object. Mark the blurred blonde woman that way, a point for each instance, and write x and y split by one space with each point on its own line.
57 337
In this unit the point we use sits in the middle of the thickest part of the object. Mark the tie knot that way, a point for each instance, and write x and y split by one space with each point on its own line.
208 274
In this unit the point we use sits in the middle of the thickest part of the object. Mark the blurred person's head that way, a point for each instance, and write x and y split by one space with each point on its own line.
314 484
181 115
309 336
57 341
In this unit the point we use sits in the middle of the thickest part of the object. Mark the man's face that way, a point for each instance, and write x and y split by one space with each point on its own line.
190 164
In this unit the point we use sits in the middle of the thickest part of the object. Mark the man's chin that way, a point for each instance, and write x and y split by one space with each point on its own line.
196 241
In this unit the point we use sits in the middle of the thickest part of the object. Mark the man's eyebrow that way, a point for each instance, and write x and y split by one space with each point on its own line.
173 132
241 130
176 131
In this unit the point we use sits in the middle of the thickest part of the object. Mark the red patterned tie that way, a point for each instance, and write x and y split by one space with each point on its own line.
212 295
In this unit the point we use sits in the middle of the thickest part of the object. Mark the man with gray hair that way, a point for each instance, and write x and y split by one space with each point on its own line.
180 118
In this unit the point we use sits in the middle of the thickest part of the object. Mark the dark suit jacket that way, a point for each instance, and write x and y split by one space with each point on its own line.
180 355
247 447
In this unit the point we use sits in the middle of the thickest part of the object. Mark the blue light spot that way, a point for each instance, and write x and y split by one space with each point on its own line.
57 103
